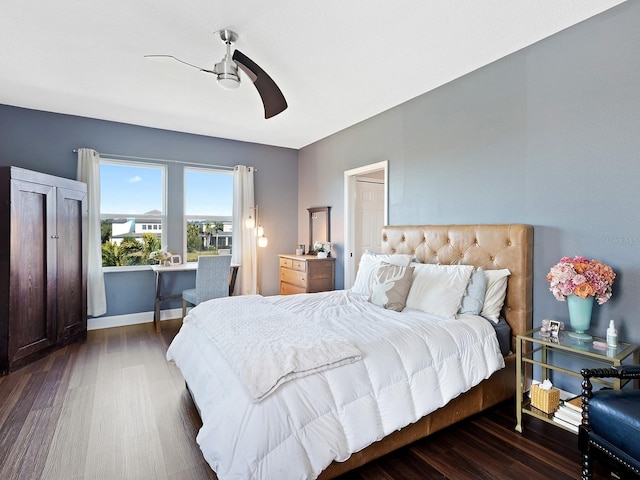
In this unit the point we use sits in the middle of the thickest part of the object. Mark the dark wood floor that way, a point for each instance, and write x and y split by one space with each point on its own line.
113 408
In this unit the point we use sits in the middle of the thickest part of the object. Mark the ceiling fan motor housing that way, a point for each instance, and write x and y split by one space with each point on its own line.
227 74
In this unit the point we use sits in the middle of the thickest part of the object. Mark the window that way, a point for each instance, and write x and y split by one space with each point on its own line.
132 211
208 211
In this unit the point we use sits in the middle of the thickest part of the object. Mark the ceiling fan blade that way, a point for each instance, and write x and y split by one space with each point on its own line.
272 98
252 76
181 61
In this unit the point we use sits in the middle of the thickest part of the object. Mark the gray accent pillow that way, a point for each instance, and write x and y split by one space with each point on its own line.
473 298
391 285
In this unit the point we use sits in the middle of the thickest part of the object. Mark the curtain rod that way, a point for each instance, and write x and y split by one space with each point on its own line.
182 162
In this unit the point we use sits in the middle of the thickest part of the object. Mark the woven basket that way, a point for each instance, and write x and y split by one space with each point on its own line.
545 400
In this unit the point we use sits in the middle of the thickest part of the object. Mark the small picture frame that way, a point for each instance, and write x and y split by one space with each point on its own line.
555 327
176 259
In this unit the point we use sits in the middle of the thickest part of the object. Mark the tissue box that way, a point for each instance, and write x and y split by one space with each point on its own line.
545 400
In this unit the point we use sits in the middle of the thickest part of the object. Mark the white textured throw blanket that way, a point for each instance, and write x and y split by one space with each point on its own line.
266 345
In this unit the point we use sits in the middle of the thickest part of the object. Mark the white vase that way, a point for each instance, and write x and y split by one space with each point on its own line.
322 254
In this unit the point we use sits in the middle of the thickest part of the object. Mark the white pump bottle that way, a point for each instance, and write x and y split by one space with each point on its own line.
612 335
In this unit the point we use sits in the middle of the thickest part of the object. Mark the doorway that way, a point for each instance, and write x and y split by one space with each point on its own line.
366 201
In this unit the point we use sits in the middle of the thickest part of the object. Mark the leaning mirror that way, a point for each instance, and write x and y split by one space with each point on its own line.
319 225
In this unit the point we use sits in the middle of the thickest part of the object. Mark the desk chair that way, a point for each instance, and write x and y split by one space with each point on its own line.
212 280
610 429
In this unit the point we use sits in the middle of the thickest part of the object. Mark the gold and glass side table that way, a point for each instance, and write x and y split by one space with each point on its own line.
551 353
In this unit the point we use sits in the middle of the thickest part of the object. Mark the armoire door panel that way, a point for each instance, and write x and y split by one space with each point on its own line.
71 302
32 301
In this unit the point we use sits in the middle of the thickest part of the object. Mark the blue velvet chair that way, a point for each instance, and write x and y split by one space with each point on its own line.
610 430
212 280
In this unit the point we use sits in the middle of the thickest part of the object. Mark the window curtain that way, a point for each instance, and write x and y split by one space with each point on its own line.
244 239
89 173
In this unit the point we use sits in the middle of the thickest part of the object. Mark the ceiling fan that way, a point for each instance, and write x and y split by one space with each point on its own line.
228 77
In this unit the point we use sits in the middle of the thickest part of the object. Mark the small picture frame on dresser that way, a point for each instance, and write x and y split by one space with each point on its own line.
176 260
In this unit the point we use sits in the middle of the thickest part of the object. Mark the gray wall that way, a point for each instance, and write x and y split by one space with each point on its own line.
548 136
44 142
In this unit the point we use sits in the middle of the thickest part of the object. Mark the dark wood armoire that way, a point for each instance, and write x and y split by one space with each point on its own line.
43 266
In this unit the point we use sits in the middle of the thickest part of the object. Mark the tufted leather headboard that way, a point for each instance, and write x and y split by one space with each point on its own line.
491 247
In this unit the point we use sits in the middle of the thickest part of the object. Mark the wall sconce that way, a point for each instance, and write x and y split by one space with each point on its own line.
263 241
251 222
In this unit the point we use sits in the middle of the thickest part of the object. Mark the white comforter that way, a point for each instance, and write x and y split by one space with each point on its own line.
413 363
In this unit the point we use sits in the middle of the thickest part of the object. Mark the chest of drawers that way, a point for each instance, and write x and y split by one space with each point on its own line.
306 274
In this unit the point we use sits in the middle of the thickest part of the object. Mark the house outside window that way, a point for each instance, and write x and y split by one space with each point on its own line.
132 206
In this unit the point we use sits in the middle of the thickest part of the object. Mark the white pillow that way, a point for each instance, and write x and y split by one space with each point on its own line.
438 289
496 291
369 263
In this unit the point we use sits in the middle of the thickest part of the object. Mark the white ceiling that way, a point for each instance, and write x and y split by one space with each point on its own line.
337 62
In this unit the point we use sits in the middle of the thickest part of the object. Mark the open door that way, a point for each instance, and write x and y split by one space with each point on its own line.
366 211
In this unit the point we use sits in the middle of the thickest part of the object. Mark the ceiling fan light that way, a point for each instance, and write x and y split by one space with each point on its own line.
228 82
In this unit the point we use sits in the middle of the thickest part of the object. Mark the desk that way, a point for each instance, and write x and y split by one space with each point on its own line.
161 270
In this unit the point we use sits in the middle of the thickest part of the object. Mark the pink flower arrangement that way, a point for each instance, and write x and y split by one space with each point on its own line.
581 277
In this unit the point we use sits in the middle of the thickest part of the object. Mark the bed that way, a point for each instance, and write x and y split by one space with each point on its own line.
384 392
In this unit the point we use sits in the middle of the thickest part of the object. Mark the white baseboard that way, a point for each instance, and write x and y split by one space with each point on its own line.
97 323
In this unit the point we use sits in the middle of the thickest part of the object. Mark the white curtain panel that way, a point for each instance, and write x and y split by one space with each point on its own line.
89 173
244 239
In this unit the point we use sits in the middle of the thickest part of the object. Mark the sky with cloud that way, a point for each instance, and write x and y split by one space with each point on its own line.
134 190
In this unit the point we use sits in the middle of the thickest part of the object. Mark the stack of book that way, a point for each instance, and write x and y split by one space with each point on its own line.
569 413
